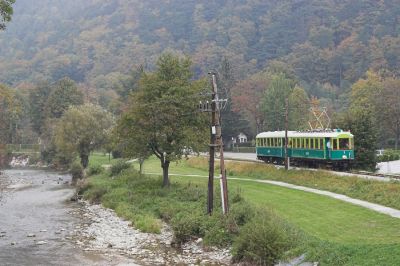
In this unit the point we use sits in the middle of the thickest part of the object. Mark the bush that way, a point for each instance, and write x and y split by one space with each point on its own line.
264 240
116 154
186 226
95 170
118 167
76 170
34 159
389 155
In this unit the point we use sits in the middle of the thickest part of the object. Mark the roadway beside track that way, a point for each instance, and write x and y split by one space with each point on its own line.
393 167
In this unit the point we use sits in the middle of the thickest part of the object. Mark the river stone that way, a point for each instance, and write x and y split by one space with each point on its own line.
41 242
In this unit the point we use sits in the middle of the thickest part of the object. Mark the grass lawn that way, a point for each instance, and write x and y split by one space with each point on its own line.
98 158
358 235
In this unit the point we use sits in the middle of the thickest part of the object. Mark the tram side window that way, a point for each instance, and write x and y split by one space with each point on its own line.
335 144
321 144
344 144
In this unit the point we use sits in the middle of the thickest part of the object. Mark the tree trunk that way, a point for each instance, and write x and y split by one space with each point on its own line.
165 167
141 161
84 160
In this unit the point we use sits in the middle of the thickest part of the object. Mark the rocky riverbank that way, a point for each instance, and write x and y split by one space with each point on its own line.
103 231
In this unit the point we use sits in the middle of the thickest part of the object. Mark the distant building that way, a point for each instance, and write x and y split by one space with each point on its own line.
241 138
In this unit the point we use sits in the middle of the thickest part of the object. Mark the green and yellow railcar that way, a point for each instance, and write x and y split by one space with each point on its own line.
332 148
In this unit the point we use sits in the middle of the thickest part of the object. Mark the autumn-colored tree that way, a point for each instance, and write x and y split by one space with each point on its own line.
162 117
246 98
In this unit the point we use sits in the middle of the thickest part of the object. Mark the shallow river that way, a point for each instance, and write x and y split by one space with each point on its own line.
37 221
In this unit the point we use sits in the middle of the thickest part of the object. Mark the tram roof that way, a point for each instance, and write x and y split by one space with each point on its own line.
306 134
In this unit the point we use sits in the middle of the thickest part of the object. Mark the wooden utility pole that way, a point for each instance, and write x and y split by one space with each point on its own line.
213 132
286 133
223 181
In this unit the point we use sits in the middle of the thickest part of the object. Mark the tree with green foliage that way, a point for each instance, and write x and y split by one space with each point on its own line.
81 130
273 102
37 102
6 12
64 93
388 108
10 111
162 117
361 120
299 105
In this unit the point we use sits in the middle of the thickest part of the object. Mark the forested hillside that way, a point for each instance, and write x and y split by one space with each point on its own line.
97 42
343 55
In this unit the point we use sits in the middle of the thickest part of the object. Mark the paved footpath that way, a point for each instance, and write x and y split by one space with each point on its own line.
372 206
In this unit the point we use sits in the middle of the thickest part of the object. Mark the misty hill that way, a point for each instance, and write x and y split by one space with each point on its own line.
324 41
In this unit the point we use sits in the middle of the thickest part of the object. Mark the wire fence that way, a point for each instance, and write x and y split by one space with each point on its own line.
23 148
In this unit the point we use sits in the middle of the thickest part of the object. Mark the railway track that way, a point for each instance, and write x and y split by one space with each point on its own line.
362 174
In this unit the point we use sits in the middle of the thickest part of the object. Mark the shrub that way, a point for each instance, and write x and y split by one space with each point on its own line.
94 195
95 170
241 213
118 167
116 154
264 240
76 170
217 235
388 155
34 159
147 223
186 226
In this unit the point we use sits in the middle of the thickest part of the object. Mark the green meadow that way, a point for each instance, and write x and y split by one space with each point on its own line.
333 232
